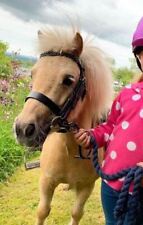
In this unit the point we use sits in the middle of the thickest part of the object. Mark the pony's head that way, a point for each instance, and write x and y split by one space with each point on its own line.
67 64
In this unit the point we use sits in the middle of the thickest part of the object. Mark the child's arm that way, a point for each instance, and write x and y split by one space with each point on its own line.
101 132
141 165
104 130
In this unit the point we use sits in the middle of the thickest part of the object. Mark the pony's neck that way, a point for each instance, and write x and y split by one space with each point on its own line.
82 115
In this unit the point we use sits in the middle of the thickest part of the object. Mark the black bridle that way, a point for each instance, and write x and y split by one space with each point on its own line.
61 113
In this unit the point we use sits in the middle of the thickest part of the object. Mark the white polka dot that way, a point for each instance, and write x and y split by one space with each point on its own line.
125 125
136 97
122 179
131 146
128 86
137 90
111 137
141 113
118 106
105 181
113 155
122 110
106 137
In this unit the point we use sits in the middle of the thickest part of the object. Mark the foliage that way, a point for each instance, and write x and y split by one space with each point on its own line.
5 61
27 64
12 94
24 61
123 75
133 65
10 153
14 87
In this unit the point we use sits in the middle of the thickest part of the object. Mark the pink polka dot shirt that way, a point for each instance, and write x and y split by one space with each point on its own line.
122 134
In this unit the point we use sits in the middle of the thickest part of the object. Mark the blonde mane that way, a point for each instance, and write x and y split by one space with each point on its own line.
97 70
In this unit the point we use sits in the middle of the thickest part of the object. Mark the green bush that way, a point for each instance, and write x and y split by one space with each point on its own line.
11 102
5 61
123 75
10 154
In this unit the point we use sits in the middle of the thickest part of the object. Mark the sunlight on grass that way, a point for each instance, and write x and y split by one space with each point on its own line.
19 198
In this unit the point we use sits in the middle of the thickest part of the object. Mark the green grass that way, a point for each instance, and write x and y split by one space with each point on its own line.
19 198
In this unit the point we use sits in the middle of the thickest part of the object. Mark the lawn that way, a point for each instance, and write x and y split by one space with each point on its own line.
19 198
19 193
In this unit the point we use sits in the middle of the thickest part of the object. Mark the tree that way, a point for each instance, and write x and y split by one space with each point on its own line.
133 65
123 75
5 61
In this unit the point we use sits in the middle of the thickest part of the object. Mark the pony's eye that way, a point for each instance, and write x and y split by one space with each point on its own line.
68 80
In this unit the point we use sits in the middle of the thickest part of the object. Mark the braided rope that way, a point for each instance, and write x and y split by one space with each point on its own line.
124 204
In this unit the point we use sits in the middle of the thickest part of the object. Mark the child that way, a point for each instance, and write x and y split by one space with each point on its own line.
122 135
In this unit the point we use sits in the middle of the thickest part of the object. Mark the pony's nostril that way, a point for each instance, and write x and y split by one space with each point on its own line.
17 130
30 129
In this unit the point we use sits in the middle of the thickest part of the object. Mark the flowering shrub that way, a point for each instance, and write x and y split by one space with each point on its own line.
5 61
13 91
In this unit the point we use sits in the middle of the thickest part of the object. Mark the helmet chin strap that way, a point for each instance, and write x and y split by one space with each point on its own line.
138 63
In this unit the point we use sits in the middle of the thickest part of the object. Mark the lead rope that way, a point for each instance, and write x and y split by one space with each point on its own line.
123 205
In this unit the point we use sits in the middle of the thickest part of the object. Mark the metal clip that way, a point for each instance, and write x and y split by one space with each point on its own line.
56 122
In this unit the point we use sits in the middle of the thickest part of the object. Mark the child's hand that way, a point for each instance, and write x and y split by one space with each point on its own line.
82 138
141 165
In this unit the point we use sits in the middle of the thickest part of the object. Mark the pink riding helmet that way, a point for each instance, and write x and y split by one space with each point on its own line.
137 42
138 36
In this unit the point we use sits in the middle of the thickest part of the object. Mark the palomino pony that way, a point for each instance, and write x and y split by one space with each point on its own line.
72 84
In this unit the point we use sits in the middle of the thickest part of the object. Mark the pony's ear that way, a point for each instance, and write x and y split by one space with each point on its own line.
78 44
